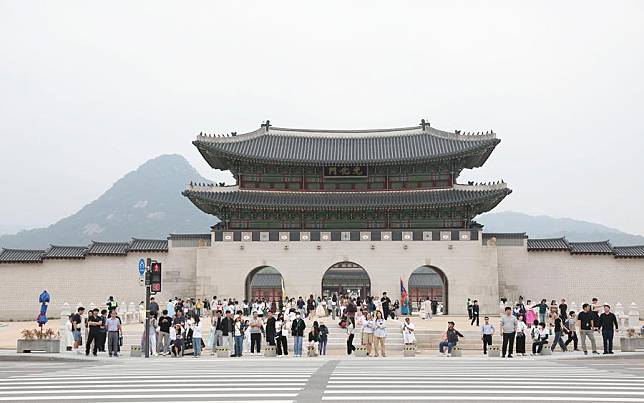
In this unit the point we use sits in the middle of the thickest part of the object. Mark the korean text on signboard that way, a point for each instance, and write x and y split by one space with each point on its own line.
345 170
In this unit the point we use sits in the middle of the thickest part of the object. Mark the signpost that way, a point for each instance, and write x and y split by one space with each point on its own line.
150 270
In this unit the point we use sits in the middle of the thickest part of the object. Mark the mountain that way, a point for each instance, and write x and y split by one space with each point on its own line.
145 203
548 227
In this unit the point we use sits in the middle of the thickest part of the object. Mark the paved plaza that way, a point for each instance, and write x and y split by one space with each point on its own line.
614 379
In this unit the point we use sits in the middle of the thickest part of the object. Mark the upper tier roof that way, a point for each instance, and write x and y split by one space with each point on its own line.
211 199
280 145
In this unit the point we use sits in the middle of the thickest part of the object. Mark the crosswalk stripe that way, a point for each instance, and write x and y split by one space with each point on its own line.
179 396
407 397
466 385
115 378
412 383
499 390
155 389
130 385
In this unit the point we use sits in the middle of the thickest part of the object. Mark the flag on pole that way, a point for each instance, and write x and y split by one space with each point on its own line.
404 299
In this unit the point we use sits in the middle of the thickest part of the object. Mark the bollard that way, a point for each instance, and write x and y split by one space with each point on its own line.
360 351
494 351
633 316
92 306
135 351
132 315
270 351
65 310
62 331
501 307
457 352
409 350
222 352
546 349
573 307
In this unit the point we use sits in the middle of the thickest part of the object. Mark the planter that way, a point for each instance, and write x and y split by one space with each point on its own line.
493 351
630 344
222 352
269 351
409 351
361 351
44 345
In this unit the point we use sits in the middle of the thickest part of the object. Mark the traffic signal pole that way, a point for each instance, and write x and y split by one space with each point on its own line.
146 341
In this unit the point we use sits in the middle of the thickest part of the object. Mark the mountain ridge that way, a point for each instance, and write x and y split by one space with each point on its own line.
126 210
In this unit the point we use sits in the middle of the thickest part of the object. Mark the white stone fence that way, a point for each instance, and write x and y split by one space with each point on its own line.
128 312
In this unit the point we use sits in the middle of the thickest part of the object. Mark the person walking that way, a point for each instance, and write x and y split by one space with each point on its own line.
281 331
509 329
297 328
586 326
165 323
256 325
522 330
475 313
197 328
608 325
379 335
469 308
563 310
487 331
368 326
559 327
542 309
385 301
571 324
113 325
324 336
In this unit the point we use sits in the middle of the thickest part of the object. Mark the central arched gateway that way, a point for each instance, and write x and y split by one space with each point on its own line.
264 282
428 282
346 278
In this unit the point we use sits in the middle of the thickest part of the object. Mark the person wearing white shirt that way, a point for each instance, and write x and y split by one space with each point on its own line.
379 334
522 330
408 332
196 336
368 326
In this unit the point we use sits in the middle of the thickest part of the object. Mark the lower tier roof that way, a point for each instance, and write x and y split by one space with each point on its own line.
213 200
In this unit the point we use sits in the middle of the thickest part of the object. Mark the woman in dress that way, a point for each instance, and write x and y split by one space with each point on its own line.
521 334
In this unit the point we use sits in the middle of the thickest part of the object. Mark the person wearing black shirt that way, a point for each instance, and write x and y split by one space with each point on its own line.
102 335
165 323
94 325
559 328
270 329
434 306
608 324
385 305
563 310
586 326
227 331
475 313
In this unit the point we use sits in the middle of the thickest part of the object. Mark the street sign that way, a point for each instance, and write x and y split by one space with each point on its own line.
141 266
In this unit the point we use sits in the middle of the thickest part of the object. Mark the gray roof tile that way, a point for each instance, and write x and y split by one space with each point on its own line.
211 199
65 252
629 251
547 244
602 247
108 248
504 235
189 236
21 255
149 245
316 147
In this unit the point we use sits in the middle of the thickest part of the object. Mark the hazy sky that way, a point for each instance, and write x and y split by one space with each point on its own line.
90 90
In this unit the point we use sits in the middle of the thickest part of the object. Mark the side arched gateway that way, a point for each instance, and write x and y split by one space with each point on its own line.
264 282
346 278
428 282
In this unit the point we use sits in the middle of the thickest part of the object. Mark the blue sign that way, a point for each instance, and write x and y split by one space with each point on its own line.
141 266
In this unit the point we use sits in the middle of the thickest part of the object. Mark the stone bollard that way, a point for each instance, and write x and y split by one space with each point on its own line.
62 330
546 349
457 352
270 351
409 350
573 307
78 306
633 316
135 351
494 351
222 352
501 307
360 351
132 313
92 306
122 309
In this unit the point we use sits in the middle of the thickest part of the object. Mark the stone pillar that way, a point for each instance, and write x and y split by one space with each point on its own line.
574 307
132 313
501 307
62 326
633 316
65 310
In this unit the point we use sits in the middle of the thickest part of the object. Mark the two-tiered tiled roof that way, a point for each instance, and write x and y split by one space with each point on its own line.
324 147
212 199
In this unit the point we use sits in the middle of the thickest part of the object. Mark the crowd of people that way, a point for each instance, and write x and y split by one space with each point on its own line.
545 326
178 328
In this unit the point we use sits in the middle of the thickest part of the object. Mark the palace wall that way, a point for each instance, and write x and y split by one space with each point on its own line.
577 278
470 269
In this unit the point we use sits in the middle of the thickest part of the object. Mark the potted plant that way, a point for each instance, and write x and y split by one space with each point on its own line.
46 340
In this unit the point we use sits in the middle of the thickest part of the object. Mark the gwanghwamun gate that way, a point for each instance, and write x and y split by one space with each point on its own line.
325 211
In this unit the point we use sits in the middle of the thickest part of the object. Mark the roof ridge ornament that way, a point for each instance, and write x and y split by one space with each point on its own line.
266 125
424 123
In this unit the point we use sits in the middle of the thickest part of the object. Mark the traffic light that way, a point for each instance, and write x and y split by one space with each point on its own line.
155 277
